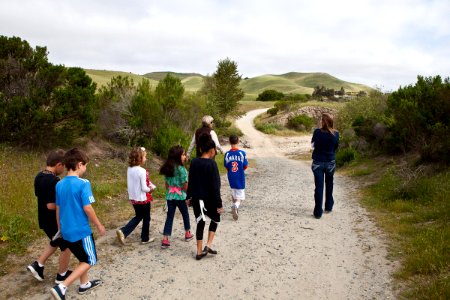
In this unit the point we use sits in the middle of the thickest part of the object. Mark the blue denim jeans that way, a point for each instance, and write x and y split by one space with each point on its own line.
142 213
323 170
171 207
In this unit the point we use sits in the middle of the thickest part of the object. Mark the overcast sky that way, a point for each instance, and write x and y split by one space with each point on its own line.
380 43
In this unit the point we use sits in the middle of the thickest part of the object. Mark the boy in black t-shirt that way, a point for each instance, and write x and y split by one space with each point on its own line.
44 189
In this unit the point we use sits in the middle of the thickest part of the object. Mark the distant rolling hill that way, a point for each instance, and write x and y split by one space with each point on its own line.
293 82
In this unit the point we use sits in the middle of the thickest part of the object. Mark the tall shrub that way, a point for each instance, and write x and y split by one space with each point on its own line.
421 118
42 104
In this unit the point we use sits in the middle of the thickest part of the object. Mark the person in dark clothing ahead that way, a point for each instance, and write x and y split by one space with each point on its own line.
204 192
324 142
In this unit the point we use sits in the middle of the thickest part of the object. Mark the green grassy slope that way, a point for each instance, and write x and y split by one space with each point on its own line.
293 82
102 77
301 83
160 75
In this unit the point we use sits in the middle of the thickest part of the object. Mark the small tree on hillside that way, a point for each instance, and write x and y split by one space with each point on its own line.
114 100
223 91
144 114
169 92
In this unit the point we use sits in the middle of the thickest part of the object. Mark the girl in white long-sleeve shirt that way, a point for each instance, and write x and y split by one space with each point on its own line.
138 194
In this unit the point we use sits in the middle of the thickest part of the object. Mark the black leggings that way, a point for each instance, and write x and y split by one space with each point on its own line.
201 227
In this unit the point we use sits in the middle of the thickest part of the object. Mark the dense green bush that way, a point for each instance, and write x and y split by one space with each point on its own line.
300 123
268 128
42 104
272 111
297 97
114 102
283 105
270 95
168 136
420 115
344 156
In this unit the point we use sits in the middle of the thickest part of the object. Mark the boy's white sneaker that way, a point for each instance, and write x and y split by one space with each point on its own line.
234 211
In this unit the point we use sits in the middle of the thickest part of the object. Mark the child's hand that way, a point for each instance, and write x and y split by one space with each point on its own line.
101 229
220 210
188 202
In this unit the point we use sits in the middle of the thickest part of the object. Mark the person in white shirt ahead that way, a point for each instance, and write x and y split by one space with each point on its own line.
207 124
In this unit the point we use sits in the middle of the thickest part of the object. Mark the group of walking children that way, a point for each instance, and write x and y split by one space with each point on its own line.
65 210
202 192
64 213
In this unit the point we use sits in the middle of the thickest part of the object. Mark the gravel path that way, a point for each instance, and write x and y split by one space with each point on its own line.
276 250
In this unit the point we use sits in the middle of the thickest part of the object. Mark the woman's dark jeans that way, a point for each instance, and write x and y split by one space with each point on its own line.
171 207
321 170
142 213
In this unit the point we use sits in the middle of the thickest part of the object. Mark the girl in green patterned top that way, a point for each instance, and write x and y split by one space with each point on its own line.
176 178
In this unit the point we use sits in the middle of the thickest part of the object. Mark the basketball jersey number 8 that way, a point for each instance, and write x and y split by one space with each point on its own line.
234 166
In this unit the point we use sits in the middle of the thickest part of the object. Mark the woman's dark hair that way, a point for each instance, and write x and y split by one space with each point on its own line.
173 160
206 143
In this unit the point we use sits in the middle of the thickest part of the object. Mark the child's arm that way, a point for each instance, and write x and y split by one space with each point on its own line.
143 179
90 212
51 206
57 216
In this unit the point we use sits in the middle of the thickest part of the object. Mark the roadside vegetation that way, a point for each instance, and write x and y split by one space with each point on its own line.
395 145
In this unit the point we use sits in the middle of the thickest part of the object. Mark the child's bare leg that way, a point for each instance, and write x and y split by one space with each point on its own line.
199 247
79 272
48 251
64 259
210 238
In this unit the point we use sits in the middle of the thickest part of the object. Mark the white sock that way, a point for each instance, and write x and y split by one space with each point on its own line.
237 203
40 265
63 273
63 288
85 285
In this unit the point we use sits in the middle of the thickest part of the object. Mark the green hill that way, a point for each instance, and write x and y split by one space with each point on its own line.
293 82
102 77
160 75
301 83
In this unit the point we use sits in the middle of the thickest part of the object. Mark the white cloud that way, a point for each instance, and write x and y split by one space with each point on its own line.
380 43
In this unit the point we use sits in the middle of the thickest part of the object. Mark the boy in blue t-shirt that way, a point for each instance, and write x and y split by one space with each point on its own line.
73 212
235 161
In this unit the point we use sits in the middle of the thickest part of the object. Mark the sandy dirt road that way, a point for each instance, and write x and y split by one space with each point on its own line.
276 250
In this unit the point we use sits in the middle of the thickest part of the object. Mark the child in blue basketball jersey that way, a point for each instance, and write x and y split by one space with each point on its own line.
73 213
235 161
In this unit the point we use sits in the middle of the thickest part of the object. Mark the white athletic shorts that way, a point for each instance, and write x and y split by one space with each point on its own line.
238 194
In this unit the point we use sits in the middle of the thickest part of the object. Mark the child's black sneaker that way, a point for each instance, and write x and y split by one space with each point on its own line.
94 283
57 293
60 279
36 271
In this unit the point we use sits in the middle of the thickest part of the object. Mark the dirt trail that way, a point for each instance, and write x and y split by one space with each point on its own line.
276 250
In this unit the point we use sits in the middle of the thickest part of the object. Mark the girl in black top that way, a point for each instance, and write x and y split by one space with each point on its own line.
204 192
